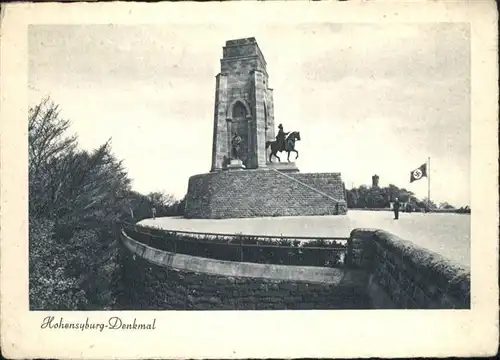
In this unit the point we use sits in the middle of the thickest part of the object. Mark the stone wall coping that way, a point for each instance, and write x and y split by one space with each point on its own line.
310 274
436 268
219 171
241 41
200 235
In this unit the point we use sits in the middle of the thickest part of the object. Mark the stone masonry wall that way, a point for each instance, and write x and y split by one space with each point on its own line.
404 275
328 183
153 287
383 272
253 193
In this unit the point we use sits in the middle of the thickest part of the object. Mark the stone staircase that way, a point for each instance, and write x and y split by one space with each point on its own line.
307 186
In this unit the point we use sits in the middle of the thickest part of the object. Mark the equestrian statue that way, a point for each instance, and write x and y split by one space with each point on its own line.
283 143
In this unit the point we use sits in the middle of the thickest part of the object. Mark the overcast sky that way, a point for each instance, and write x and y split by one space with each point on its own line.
367 99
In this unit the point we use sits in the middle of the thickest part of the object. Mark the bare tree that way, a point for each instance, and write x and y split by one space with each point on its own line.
76 196
161 199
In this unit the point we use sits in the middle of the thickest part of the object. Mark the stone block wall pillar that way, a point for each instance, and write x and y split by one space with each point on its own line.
270 112
252 160
259 79
220 146
403 275
229 134
271 128
362 249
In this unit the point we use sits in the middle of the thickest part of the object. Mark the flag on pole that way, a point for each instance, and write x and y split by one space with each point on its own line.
418 173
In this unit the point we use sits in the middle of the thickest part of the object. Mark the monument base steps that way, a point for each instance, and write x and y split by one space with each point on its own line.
263 193
236 165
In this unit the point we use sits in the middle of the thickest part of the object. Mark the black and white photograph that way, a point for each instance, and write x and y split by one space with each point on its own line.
267 168
260 189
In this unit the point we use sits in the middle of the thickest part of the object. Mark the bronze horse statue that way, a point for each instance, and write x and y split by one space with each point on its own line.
289 146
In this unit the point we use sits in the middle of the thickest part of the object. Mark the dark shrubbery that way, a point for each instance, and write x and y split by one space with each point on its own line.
140 206
77 199
373 198
50 284
463 210
239 248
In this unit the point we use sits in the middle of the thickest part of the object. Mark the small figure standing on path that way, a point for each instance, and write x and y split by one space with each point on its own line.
153 210
396 209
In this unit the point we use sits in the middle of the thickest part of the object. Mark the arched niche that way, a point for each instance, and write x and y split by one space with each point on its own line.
238 107
238 116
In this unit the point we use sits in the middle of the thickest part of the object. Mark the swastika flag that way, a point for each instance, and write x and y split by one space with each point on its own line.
418 173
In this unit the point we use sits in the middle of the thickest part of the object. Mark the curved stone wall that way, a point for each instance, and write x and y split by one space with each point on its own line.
383 271
404 275
157 279
254 193
312 274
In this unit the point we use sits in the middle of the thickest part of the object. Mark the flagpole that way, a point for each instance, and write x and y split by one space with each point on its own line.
429 184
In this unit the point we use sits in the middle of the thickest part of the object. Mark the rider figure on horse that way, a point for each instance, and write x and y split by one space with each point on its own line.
281 138
283 143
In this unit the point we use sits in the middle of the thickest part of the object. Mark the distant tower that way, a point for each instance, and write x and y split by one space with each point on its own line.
375 181
243 105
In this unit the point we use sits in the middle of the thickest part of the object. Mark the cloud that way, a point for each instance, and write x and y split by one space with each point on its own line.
391 51
366 98
121 56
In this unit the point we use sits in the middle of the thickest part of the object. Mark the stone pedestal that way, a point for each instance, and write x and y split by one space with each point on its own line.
235 164
263 193
283 166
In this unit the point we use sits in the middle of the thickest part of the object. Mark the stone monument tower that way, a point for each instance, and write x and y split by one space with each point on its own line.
243 123
243 107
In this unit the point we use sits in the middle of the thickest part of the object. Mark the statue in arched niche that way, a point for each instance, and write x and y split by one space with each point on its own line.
236 146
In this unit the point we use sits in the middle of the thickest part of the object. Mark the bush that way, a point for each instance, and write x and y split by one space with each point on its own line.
51 287
313 253
76 198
